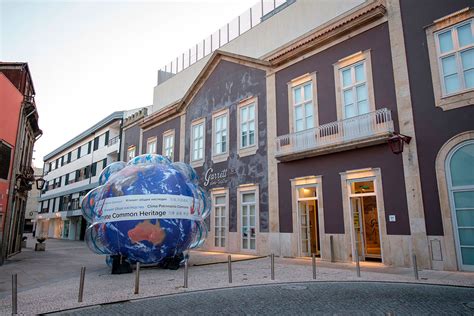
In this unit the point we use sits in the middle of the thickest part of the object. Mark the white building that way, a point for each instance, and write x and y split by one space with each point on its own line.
70 172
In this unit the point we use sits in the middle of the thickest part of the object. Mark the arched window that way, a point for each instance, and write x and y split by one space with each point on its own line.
460 168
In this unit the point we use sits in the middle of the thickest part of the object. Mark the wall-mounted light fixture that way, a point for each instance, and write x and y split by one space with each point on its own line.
396 142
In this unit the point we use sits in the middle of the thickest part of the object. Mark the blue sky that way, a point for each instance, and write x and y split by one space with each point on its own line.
90 58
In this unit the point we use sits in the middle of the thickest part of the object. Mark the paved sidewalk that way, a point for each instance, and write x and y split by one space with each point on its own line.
48 281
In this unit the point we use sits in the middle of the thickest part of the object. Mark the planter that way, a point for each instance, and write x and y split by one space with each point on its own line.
40 246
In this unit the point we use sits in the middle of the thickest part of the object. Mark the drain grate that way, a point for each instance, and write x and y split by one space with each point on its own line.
294 287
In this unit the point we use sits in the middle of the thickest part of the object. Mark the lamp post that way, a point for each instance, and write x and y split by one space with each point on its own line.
396 142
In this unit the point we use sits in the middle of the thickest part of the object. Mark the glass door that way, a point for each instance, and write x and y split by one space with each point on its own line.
219 220
308 221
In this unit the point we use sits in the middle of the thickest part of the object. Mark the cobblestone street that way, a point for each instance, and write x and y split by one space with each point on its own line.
361 298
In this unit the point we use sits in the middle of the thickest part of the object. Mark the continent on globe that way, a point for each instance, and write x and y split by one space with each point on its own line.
147 231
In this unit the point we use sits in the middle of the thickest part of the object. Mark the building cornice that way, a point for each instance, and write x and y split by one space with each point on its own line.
328 32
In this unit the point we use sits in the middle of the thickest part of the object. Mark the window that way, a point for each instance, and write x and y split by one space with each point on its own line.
354 88
5 157
151 145
220 215
168 144
84 150
455 48
71 177
74 154
197 140
248 206
303 106
247 127
450 44
131 152
219 135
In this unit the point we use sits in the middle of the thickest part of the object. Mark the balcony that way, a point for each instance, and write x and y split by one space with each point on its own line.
358 131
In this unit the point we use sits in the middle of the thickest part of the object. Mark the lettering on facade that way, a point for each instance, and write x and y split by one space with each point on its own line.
212 178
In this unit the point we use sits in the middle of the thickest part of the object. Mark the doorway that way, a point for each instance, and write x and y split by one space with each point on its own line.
308 220
365 220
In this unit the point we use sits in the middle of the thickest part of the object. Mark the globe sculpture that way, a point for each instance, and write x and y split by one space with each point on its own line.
147 210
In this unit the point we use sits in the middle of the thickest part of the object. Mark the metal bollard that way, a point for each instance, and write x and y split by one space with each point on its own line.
357 262
14 294
81 284
137 278
331 247
415 267
186 273
314 266
272 260
229 268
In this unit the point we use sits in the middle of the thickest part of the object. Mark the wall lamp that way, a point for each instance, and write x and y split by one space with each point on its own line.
396 142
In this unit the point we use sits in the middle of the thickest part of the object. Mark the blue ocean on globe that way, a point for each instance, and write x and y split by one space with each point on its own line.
166 226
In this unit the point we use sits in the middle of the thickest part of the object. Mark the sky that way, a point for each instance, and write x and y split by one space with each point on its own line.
90 58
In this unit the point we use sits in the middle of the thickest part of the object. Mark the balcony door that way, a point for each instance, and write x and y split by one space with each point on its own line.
355 101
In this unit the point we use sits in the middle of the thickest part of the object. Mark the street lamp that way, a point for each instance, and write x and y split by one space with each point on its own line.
40 183
396 142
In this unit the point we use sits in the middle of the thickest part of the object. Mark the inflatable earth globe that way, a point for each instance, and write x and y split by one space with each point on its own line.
146 210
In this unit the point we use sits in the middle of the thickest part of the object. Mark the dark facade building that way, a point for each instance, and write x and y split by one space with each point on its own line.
439 42
335 143
20 130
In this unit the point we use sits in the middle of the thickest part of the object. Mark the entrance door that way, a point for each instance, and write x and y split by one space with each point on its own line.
461 187
365 220
308 219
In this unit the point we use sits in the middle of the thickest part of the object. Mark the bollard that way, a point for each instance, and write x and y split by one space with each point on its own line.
186 273
81 284
272 260
415 267
137 278
331 247
14 295
357 261
229 268
314 266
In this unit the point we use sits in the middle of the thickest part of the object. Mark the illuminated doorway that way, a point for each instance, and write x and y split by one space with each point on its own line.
365 220
307 201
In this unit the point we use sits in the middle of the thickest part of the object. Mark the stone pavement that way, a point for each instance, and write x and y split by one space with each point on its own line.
309 298
48 281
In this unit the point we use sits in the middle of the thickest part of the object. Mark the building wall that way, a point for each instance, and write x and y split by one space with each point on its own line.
229 84
158 131
330 165
433 126
130 137
11 100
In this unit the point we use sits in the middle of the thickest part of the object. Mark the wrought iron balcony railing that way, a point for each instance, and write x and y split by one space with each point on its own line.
352 130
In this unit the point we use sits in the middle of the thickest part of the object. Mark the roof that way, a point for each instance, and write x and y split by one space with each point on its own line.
18 65
213 61
104 122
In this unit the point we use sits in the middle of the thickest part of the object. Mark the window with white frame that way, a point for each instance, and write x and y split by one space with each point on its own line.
151 145
220 134
220 216
247 125
303 107
197 140
248 211
354 90
455 49
168 145
131 152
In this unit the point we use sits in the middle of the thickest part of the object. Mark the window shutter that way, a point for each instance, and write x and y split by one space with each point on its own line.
106 138
93 169
69 157
86 171
104 163
78 175
89 147
67 179
79 152
62 161
96 143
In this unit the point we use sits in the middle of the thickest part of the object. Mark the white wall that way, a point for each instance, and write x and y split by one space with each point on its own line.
287 25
